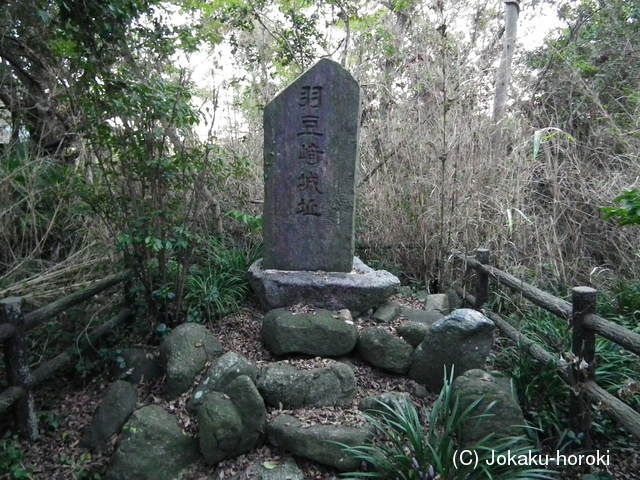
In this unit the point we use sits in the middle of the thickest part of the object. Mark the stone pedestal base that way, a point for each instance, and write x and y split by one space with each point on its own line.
359 290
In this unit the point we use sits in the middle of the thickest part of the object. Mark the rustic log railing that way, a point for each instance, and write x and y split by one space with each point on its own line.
13 328
579 373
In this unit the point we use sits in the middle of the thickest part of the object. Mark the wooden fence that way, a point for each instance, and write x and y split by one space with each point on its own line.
13 328
580 372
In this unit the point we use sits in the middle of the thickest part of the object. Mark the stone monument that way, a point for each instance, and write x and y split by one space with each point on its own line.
310 156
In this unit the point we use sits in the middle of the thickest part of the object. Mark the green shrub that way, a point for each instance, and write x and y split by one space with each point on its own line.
628 213
11 458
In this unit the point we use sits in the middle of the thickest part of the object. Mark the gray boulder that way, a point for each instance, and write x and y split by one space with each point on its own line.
137 365
118 404
455 302
219 427
378 402
421 316
358 290
437 302
322 333
413 332
386 313
315 442
231 423
253 413
463 339
184 354
224 371
504 417
383 349
334 385
283 469
152 446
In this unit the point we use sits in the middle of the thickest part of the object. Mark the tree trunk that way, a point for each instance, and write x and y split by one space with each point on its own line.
512 9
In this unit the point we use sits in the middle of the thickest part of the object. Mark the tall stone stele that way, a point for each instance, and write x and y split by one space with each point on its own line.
310 155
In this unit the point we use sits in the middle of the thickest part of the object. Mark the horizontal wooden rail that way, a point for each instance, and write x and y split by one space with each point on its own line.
558 307
614 332
13 327
37 317
48 368
622 413
561 308
10 396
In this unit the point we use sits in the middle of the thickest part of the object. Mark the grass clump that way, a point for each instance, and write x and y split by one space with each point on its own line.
218 283
405 449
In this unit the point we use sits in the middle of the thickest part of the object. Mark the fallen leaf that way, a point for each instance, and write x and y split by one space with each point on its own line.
269 464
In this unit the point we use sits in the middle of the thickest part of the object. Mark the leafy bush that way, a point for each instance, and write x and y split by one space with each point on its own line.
403 450
628 213
11 458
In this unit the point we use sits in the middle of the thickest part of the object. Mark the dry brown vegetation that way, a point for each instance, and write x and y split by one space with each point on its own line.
432 181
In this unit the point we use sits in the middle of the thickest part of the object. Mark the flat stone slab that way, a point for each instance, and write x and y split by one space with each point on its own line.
358 290
386 313
316 442
281 383
437 302
118 404
418 315
321 333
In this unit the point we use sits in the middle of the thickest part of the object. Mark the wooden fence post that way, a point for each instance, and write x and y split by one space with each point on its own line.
584 351
482 279
16 359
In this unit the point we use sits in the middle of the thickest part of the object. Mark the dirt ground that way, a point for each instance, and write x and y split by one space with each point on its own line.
66 406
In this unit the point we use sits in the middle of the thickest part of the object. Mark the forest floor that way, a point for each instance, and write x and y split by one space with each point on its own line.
66 408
